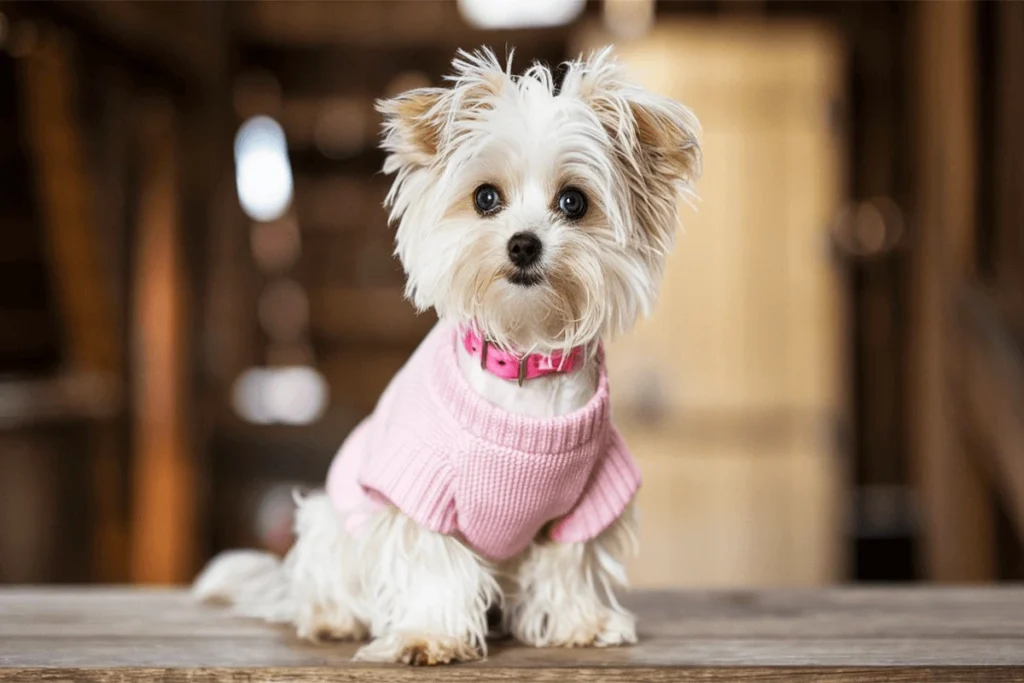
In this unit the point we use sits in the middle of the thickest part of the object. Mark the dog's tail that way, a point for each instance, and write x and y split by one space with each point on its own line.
253 582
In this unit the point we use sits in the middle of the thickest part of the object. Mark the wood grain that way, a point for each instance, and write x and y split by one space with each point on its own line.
847 634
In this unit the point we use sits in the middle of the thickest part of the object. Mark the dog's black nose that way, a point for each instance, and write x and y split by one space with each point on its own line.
524 249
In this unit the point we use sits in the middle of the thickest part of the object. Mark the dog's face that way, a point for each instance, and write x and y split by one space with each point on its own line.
542 215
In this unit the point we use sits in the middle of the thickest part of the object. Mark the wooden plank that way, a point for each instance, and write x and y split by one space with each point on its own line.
956 506
840 634
164 488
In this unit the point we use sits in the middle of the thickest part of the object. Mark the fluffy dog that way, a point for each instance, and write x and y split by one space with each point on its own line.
535 219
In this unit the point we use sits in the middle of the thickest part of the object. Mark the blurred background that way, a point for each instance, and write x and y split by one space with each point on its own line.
198 299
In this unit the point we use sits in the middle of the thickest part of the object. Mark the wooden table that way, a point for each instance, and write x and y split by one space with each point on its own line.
846 634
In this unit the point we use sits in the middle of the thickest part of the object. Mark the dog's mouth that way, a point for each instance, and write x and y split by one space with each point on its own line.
525 278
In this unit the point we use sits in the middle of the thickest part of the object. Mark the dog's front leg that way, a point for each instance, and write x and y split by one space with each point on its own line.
564 591
429 595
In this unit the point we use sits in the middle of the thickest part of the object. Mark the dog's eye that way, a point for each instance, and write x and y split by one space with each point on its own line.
487 199
572 202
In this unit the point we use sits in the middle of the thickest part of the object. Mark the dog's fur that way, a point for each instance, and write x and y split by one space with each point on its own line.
423 597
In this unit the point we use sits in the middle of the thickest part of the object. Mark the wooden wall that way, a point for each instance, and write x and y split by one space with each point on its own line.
731 394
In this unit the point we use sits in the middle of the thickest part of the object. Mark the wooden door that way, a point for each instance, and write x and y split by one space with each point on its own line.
730 393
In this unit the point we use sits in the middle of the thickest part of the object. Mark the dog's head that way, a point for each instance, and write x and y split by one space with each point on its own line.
542 214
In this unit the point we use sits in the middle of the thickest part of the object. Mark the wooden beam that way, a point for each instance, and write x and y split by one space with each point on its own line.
956 506
84 293
164 490
66 203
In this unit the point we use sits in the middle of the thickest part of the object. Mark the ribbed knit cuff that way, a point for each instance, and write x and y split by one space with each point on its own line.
612 486
422 488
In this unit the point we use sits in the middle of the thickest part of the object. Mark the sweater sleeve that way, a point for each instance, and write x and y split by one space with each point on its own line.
420 485
612 485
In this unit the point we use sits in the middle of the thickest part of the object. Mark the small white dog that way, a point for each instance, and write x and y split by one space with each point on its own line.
535 219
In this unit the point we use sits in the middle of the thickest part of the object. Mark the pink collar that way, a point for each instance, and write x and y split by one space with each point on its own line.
507 365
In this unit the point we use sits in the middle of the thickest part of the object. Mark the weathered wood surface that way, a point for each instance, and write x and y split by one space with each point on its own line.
828 635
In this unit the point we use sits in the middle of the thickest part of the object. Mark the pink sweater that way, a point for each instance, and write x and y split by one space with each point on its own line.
459 465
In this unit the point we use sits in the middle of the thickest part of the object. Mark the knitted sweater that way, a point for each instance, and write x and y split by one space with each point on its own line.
459 465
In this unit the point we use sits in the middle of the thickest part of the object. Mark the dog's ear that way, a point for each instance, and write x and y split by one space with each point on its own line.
654 138
648 127
413 125
420 123
666 134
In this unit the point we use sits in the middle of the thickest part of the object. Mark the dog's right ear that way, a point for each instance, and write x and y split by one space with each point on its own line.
413 123
418 124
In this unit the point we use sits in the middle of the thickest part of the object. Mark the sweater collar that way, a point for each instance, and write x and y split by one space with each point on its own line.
523 433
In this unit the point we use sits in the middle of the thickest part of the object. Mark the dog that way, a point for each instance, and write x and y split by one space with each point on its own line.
489 493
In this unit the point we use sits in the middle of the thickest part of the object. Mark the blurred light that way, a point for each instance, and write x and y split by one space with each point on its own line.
869 228
276 246
341 126
628 18
263 174
247 396
294 395
297 395
283 310
499 14
3 29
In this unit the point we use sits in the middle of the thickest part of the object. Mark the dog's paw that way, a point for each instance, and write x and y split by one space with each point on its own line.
606 629
619 628
325 624
418 649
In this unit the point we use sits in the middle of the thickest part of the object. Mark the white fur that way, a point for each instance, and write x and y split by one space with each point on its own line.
420 596
514 132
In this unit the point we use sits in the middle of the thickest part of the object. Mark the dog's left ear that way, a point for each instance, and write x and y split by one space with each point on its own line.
413 123
666 135
654 138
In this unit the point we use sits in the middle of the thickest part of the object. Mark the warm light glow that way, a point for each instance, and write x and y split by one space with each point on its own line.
263 174
290 395
503 14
